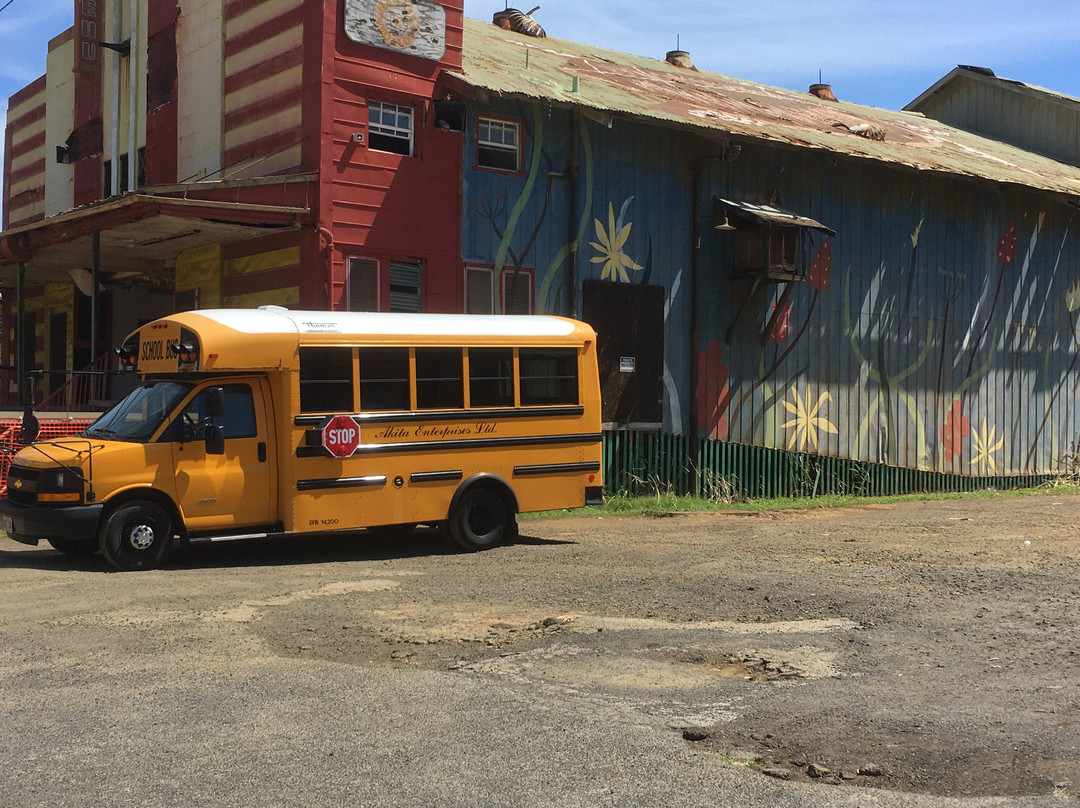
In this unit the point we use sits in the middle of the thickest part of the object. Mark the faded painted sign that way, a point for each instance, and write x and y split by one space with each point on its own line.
416 27
87 36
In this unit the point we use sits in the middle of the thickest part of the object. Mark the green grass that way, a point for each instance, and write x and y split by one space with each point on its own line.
664 503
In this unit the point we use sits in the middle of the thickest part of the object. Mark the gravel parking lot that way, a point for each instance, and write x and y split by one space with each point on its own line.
902 654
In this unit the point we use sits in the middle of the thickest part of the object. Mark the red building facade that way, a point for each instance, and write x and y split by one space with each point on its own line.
288 152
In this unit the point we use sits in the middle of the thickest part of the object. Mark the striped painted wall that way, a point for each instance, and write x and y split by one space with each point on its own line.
262 91
24 156
259 272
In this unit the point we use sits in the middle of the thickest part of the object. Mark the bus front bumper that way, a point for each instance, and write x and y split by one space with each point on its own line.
29 524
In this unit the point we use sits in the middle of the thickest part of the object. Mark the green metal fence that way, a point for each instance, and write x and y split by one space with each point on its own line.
644 463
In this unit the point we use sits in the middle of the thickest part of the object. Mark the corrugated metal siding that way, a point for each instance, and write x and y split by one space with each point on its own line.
920 310
1032 118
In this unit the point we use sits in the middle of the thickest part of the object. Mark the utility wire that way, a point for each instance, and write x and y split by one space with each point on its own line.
8 3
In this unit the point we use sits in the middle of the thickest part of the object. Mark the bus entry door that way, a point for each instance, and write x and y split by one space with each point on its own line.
233 489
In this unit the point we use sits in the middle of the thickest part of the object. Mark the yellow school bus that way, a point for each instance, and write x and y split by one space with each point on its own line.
258 422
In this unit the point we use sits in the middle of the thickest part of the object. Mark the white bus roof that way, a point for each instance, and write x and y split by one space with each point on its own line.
275 320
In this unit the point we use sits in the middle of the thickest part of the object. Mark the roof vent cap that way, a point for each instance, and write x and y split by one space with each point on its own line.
823 91
680 58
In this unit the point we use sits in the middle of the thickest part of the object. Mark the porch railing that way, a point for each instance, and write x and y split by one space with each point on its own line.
83 391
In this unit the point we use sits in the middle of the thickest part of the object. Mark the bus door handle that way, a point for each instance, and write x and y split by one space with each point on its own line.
262 452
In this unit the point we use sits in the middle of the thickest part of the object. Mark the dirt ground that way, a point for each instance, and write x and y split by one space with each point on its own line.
922 647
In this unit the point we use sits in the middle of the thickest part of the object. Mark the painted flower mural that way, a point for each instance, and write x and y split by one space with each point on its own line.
821 266
985 447
1072 296
806 422
953 432
714 393
782 325
610 246
1006 250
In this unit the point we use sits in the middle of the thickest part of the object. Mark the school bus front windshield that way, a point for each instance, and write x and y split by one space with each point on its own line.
137 417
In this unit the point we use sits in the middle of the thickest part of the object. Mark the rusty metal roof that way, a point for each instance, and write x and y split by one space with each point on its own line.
611 83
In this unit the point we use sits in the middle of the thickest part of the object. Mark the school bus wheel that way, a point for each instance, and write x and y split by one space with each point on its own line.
136 535
74 547
481 517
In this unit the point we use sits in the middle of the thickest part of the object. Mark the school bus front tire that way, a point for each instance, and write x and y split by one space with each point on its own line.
136 535
73 547
481 518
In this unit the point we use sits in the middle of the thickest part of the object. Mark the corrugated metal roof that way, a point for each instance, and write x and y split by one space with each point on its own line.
569 73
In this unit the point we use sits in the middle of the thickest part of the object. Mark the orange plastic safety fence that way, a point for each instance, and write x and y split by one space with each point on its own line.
51 428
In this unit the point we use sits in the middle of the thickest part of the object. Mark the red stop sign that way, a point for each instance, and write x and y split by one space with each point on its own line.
341 435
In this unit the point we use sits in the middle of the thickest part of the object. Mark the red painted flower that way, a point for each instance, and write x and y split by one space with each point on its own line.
782 326
821 266
1006 250
713 393
955 429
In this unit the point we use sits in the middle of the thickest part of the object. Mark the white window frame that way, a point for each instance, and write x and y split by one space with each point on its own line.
393 130
500 125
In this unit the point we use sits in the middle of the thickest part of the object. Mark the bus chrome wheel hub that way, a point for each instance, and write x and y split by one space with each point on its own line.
141 537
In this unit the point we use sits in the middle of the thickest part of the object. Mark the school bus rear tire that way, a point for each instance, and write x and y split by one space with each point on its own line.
136 535
481 519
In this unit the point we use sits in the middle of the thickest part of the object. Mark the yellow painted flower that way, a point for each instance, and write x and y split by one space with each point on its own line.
985 447
615 261
806 422
1072 296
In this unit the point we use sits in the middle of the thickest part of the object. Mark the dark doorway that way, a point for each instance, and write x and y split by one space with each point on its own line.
629 322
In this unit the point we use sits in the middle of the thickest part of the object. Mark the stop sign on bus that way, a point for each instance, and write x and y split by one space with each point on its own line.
341 435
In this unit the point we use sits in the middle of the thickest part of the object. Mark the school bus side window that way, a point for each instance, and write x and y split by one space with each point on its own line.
384 379
548 376
439 379
238 421
491 377
326 380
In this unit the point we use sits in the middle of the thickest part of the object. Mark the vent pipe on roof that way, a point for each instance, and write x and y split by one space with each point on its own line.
680 58
823 91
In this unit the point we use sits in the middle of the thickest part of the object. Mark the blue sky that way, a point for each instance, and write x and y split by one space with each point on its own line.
879 53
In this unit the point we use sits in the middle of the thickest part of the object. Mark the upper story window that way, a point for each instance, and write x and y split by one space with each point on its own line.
515 295
390 128
498 144
363 284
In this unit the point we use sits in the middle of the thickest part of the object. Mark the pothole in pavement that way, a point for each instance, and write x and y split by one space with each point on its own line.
832 752
699 688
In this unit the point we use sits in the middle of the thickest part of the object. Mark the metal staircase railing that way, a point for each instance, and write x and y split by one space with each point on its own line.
86 390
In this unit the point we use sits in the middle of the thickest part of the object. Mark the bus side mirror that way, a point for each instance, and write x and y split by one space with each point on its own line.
215 402
215 439
30 426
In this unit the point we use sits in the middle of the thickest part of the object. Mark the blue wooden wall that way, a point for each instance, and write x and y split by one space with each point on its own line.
937 330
